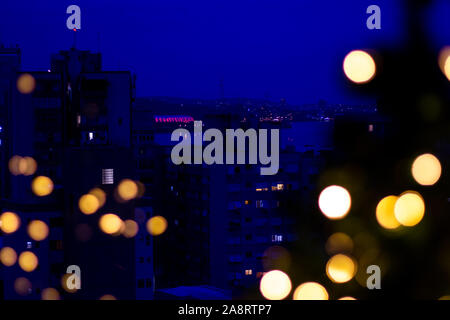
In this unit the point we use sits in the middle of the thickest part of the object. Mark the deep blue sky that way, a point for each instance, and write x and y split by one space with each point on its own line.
260 48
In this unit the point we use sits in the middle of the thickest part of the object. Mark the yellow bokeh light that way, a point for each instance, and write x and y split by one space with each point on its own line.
347 298
131 228
127 189
37 230
275 285
310 291
100 195
446 297
8 256
385 213
156 225
9 222
22 286
339 242
28 261
88 204
426 169
409 208
335 202
18 165
359 66
444 61
108 297
26 83
50 294
110 223
341 268
42 186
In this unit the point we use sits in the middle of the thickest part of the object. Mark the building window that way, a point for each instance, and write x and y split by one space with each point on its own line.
141 283
370 127
277 238
280 186
29 245
248 272
107 176
259 203
91 136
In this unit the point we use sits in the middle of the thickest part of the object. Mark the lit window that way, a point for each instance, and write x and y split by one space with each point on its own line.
248 272
29 245
259 203
107 176
91 136
246 202
370 127
280 186
277 238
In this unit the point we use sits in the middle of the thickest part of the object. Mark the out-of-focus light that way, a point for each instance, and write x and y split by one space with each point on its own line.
9 222
108 297
18 165
409 208
341 268
156 225
88 204
22 286
110 223
28 261
347 298
275 285
359 66
426 169
14 165
310 291
50 294
127 189
339 242
131 228
26 83
446 297
444 61
31 166
385 213
37 230
42 186
8 256
100 195
335 202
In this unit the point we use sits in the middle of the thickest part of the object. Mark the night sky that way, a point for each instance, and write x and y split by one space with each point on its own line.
259 48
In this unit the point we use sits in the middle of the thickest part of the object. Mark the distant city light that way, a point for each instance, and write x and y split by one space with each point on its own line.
50 294
359 66
28 261
310 291
131 228
22 286
426 169
91 136
335 202
37 230
42 186
339 242
341 268
9 222
385 213
88 204
26 83
127 190
275 285
100 195
107 297
8 256
110 223
444 61
409 209
156 225
165 119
